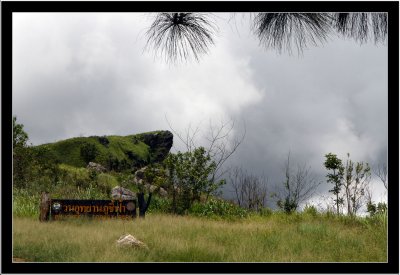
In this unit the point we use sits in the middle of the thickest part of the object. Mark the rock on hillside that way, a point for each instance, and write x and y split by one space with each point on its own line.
160 143
122 193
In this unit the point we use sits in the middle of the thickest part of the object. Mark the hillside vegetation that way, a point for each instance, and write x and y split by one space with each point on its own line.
122 152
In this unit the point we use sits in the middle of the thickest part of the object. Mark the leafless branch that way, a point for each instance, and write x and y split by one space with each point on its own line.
250 190
381 172
221 146
298 186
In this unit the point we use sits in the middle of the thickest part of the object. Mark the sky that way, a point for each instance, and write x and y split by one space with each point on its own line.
83 74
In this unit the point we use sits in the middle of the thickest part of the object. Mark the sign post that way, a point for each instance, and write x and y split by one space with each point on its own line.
98 209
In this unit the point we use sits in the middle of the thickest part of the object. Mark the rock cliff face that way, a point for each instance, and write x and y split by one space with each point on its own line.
160 143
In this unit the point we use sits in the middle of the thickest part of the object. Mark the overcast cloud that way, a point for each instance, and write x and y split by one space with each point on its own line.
77 74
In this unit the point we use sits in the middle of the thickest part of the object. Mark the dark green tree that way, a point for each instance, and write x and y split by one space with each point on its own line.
20 137
190 175
22 155
46 164
89 152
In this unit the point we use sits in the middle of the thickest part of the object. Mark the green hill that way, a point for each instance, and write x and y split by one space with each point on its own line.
113 152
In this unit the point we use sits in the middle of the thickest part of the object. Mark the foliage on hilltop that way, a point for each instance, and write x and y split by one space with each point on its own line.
116 153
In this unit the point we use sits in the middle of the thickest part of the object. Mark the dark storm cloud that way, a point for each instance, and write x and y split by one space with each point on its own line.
330 99
87 74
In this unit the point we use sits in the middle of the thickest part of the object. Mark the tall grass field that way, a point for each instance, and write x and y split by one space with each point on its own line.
277 237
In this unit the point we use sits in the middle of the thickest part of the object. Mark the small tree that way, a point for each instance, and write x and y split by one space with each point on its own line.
334 164
22 155
220 144
250 191
356 179
298 187
45 163
20 137
190 176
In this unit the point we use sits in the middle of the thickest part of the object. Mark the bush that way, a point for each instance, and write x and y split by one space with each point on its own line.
310 210
288 205
105 182
266 211
88 152
79 177
191 173
374 209
217 207
159 205
25 204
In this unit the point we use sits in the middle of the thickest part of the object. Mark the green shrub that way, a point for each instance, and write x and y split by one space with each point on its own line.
217 207
79 177
310 210
88 152
265 212
106 182
159 205
25 204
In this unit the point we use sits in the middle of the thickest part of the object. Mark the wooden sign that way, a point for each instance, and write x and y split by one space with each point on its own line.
101 209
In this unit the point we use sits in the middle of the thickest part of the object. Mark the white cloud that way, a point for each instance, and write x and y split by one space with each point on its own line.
87 74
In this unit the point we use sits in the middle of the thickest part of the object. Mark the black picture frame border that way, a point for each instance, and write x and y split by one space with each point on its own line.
10 7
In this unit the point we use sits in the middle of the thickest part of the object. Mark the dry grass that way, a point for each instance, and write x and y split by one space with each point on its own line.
276 238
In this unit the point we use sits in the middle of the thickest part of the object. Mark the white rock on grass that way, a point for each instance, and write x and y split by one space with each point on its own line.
129 240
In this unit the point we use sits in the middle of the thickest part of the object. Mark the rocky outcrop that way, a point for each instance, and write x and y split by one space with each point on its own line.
140 180
160 143
121 193
162 192
96 167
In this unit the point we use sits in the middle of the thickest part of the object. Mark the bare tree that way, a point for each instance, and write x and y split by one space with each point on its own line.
222 144
381 172
250 191
297 187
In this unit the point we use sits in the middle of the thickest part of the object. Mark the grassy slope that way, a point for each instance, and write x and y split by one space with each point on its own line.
68 151
277 238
